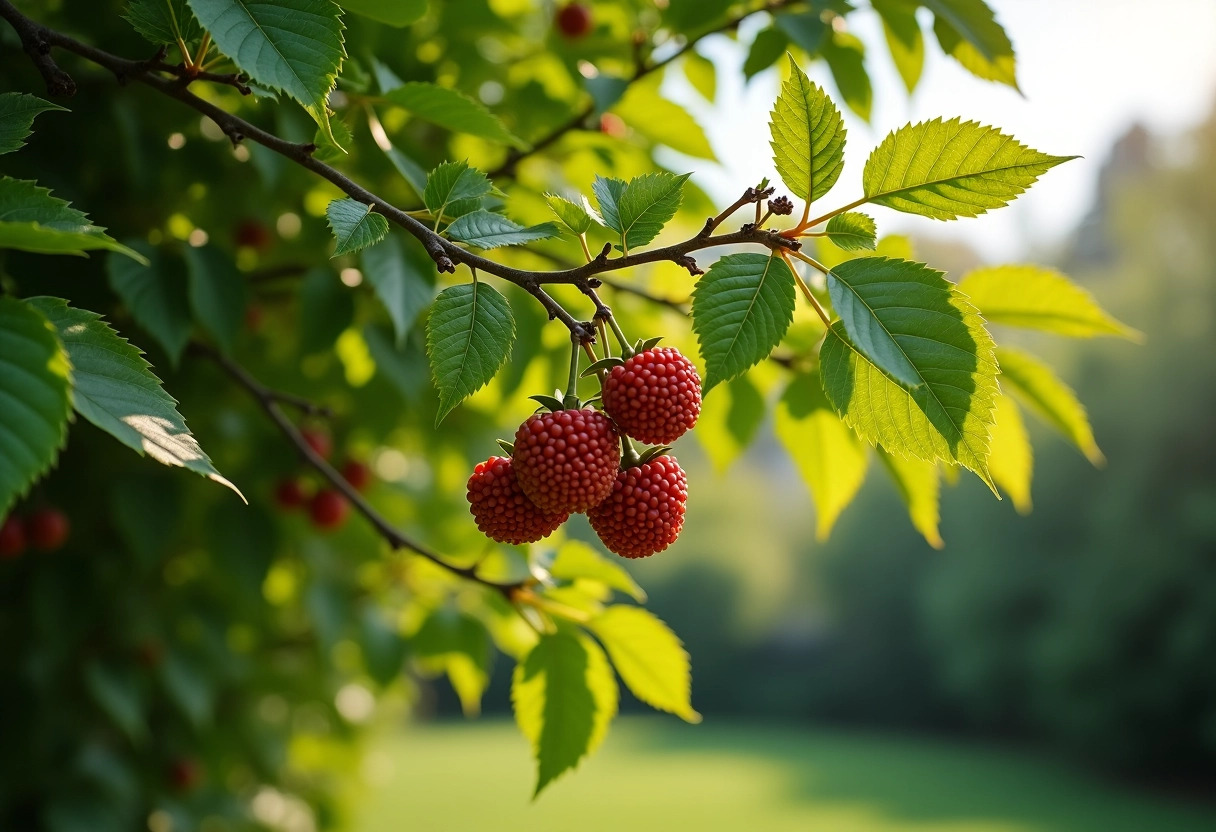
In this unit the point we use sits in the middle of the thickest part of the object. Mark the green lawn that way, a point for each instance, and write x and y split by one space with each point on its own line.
655 774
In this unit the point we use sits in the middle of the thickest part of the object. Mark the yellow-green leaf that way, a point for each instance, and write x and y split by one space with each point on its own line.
1036 297
1011 460
807 137
1036 386
919 486
649 657
577 561
828 455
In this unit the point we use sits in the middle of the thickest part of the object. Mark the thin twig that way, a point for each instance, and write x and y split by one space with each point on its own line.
269 401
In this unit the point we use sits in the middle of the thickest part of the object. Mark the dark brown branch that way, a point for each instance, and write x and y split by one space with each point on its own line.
33 40
187 75
642 69
269 401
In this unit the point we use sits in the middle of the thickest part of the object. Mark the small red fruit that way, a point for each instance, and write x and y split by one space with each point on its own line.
574 20
328 509
47 529
567 461
290 494
645 511
613 125
252 234
655 397
319 441
502 511
185 774
12 537
357 474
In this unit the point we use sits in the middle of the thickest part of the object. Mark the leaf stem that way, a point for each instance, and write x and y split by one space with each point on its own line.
582 239
831 214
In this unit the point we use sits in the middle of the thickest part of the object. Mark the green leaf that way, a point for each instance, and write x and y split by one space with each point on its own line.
468 337
355 225
1035 297
807 137
967 30
905 41
410 171
190 687
156 296
114 388
649 657
393 12
451 110
1011 460
459 645
644 108
769 45
1035 385
217 293
577 561
646 205
403 286
118 694
163 21
922 328
35 398
740 310
33 220
852 231
898 246
294 46
828 455
564 696
576 216
729 421
919 486
608 193
327 308
17 112
845 55
605 90
702 74
487 230
454 183
950 169
806 29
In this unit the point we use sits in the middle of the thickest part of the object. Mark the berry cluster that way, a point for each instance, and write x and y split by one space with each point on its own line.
45 529
568 460
327 508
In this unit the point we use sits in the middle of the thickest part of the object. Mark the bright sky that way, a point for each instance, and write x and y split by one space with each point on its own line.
1088 68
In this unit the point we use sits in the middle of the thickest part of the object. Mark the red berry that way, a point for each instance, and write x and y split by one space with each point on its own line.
574 20
328 509
252 234
357 474
12 537
290 494
185 774
502 510
613 125
47 529
645 511
567 461
655 397
319 441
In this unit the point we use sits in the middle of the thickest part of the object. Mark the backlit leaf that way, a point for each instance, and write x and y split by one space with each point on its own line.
905 41
661 120
967 30
845 55
852 231
452 184
576 216
1035 385
33 220
1036 297
769 45
919 486
950 169
451 110
564 696
163 21
649 658
828 455
807 137
1011 460
487 230
645 205
577 561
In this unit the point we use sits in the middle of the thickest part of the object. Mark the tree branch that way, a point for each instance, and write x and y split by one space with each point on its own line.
269 401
